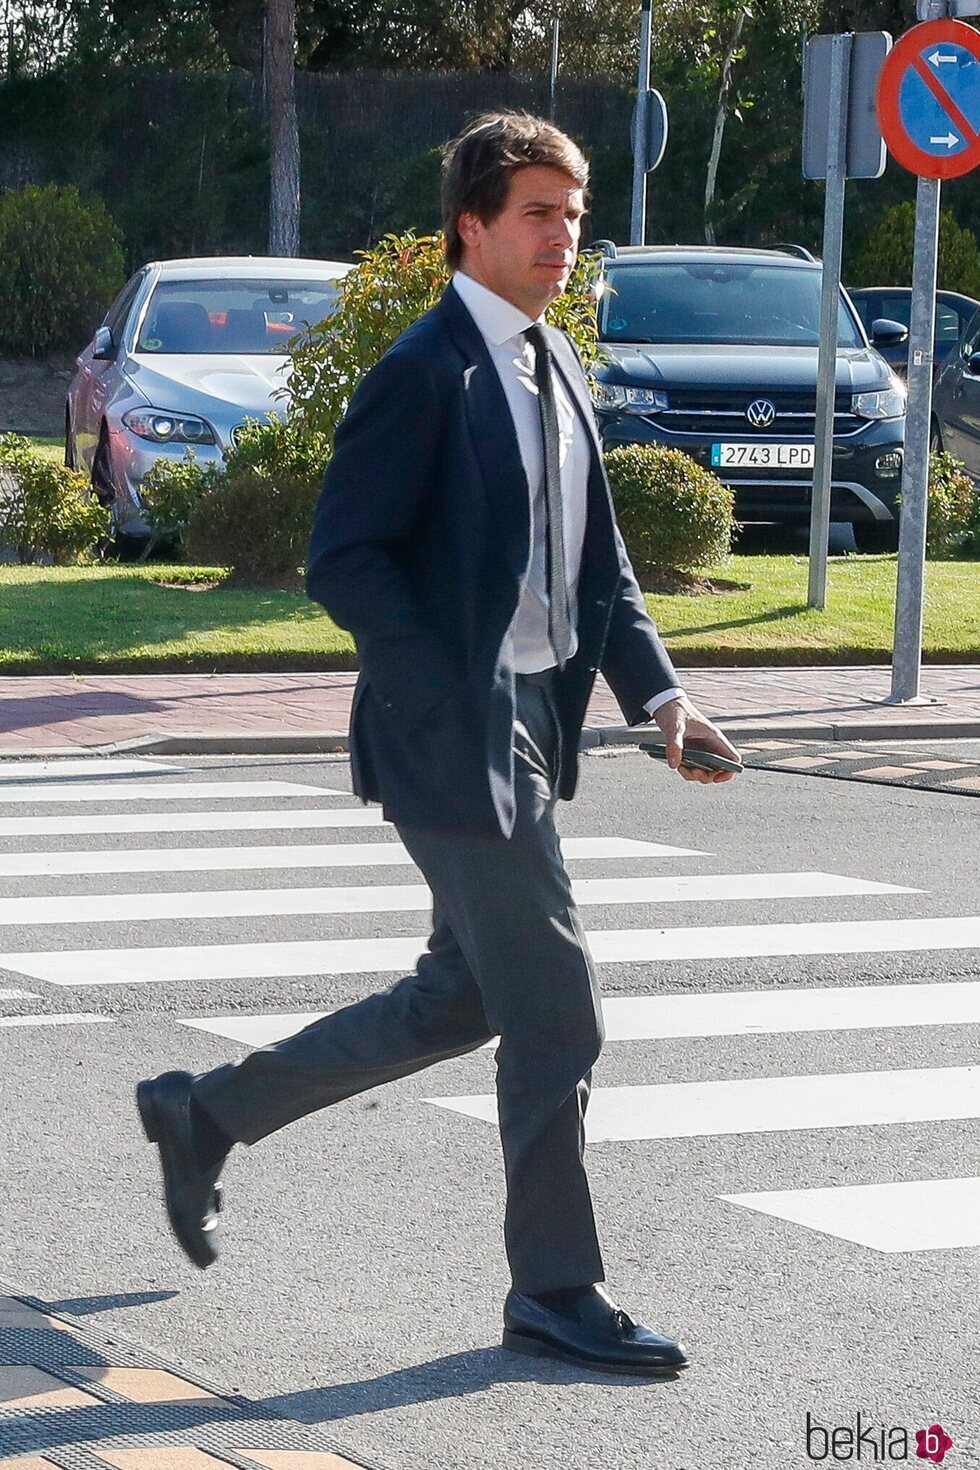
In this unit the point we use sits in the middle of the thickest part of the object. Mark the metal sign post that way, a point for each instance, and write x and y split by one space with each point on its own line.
907 654
833 239
638 213
841 140
929 106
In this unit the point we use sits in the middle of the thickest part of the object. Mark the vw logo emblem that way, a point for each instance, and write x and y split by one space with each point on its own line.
761 413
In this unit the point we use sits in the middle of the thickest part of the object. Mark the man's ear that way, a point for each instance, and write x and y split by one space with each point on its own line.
468 227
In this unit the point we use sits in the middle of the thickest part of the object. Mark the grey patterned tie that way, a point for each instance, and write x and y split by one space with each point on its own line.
559 617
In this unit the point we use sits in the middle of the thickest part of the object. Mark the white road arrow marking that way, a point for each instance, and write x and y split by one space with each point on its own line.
938 59
950 139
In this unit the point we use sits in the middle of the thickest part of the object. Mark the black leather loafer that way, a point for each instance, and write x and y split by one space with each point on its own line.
192 1195
594 1334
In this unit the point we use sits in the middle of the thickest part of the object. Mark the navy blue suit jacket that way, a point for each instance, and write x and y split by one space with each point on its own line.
420 547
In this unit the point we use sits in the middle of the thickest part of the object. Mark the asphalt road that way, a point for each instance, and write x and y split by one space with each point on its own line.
362 1274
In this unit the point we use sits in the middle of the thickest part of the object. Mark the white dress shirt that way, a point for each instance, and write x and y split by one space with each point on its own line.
502 325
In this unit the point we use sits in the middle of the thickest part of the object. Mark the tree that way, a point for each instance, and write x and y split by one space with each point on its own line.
280 96
886 256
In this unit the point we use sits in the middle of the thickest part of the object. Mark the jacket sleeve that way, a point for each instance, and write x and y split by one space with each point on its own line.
376 488
635 663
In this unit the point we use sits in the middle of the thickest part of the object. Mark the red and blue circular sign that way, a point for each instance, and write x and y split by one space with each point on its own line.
929 99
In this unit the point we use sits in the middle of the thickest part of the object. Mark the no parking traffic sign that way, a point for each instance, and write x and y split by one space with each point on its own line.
929 99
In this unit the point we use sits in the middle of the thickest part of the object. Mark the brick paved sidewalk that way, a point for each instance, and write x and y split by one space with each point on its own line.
243 712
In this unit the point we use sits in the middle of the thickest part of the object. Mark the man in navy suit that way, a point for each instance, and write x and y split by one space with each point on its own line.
465 535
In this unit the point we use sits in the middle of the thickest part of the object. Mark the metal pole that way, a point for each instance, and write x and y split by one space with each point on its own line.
555 27
833 239
639 210
907 656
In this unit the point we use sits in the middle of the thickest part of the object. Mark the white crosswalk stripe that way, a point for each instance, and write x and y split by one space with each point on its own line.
87 768
148 964
731 1013
896 1215
117 908
77 1018
905 1215
124 823
766 1104
104 791
230 859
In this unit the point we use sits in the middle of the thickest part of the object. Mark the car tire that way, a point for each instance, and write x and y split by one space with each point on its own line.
121 545
935 439
69 446
875 538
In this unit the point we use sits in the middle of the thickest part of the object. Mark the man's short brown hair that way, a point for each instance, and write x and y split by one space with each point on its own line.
477 167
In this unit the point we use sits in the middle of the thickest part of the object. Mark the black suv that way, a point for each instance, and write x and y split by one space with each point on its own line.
714 351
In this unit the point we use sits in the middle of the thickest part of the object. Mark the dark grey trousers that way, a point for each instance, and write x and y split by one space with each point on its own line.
507 956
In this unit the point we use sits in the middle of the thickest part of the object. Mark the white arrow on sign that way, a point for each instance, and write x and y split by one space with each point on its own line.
938 59
948 138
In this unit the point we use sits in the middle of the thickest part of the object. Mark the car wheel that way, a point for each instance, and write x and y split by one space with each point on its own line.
103 487
875 537
121 544
935 439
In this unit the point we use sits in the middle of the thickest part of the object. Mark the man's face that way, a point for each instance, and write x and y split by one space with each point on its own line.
527 253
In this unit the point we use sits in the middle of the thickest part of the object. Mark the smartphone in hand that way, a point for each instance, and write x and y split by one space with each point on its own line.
703 760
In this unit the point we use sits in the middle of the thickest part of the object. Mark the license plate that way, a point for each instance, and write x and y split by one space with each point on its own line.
762 456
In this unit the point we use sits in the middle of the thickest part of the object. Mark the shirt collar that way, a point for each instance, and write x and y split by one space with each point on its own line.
497 319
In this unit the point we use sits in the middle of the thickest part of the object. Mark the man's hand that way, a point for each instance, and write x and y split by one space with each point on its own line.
682 723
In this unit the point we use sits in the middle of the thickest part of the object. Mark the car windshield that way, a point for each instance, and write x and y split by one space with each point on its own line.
717 302
238 316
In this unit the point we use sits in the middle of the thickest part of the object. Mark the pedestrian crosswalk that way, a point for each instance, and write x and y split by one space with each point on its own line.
86 934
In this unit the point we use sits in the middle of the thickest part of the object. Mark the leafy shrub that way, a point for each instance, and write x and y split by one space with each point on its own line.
252 514
953 518
169 491
390 288
46 510
885 258
257 525
61 264
674 514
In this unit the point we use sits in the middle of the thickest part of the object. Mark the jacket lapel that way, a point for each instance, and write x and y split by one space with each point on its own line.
568 365
492 432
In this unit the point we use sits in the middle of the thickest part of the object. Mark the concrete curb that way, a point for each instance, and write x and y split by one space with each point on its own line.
333 743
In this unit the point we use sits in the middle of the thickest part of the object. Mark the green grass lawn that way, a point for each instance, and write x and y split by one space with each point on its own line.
50 447
125 618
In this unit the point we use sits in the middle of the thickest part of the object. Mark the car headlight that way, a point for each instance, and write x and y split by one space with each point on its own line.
887 403
161 427
628 400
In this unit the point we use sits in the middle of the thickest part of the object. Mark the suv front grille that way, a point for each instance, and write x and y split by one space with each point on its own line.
705 411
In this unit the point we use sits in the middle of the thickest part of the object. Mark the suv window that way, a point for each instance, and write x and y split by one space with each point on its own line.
971 338
717 301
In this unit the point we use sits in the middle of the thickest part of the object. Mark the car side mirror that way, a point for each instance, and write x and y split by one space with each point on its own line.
103 346
885 333
973 364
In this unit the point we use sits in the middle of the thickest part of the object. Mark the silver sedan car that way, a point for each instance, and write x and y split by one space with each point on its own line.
187 352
